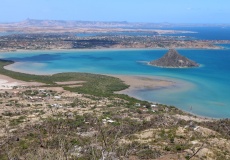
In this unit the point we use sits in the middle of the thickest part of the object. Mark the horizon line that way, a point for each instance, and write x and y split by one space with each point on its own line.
121 21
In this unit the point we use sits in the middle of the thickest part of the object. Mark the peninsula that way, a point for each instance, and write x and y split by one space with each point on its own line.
52 35
173 59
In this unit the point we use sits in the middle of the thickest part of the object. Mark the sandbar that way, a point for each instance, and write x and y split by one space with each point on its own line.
143 82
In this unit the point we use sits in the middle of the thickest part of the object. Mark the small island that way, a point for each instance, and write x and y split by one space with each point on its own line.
172 59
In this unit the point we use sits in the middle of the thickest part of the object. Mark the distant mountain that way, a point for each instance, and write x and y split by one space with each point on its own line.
71 24
99 24
173 59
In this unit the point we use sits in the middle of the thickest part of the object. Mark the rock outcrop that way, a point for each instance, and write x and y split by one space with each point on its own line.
173 59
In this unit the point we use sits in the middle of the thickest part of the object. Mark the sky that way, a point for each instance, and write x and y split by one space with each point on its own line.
153 11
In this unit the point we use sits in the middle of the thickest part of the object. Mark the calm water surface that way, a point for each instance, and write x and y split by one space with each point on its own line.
206 89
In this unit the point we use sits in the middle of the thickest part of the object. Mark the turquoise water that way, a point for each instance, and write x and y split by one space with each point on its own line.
206 89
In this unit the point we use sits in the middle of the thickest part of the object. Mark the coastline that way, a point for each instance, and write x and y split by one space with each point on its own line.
80 50
143 82
148 63
7 82
13 67
107 49
135 82
138 82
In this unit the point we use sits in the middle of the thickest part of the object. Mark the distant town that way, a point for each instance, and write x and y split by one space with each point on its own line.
51 35
47 41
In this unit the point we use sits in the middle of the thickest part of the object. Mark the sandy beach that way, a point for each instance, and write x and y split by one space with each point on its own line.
8 82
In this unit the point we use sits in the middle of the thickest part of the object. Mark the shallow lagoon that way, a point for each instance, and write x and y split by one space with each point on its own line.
206 89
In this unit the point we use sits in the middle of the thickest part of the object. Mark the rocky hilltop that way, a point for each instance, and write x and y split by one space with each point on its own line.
173 59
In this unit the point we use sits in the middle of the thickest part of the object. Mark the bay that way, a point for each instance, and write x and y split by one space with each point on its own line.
206 89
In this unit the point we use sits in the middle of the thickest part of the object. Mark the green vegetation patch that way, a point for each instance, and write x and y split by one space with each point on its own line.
15 122
98 85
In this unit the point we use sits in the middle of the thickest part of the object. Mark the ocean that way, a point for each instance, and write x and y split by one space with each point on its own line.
205 89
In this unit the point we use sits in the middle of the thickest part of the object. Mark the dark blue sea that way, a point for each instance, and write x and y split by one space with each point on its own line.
205 33
201 33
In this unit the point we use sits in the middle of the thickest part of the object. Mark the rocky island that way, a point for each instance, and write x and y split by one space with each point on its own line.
173 59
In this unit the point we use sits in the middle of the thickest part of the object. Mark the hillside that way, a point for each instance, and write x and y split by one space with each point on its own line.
173 59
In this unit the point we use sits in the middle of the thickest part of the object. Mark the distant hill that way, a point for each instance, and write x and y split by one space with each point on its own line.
62 23
73 24
97 24
173 59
